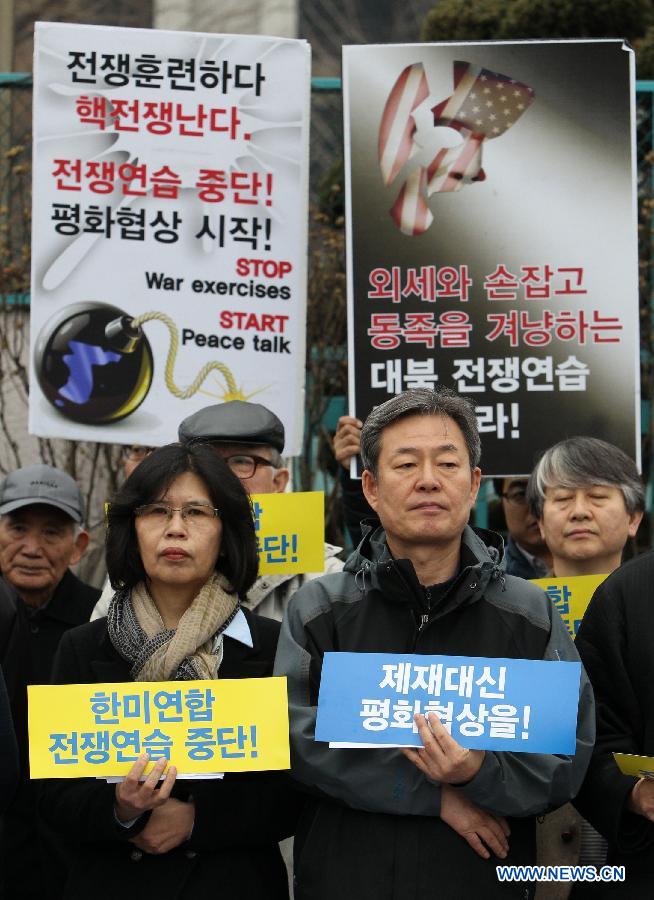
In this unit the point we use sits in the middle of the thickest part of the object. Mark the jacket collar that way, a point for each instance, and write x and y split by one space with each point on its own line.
375 569
239 630
72 601
266 584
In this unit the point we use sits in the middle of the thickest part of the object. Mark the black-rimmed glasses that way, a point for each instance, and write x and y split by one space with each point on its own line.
245 465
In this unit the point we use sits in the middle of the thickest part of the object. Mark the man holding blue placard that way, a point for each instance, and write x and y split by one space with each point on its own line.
389 823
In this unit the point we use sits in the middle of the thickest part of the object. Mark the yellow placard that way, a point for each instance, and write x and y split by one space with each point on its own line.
230 725
291 532
630 764
571 596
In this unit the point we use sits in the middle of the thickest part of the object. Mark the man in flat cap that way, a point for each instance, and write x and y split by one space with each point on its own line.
250 438
41 512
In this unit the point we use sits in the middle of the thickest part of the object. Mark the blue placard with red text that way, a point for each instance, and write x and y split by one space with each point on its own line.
370 699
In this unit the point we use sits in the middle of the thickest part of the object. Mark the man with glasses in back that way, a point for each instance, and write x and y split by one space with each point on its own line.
133 455
526 554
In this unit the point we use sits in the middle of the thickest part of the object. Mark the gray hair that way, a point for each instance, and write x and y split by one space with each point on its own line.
275 457
580 461
419 402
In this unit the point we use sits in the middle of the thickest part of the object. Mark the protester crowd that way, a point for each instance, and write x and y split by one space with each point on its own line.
183 600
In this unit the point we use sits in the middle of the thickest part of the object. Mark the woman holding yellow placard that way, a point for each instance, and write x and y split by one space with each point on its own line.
181 552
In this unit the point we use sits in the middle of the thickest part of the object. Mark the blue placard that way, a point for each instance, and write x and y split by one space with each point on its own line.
486 704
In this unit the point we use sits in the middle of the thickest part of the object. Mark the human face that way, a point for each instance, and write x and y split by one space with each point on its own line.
177 553
133 456
425 488
37 544
266 479
521 525
586 528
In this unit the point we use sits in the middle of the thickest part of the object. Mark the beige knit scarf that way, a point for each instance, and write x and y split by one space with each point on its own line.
193 639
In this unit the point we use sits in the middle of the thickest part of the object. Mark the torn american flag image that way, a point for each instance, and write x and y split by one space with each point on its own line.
484 105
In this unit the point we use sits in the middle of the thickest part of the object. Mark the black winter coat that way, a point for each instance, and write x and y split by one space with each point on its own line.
28 643
239 819
616 644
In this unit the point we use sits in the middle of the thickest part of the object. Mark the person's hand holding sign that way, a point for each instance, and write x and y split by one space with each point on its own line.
641 800
135 797
347 440
168 827
441 757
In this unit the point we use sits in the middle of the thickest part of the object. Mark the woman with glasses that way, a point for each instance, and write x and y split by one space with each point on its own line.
181 554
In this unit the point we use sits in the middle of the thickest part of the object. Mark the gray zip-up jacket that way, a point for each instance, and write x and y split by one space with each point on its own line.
377 605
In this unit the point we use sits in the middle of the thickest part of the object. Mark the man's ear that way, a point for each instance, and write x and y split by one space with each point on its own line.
475 482
635 518
370 488
280 480
79 547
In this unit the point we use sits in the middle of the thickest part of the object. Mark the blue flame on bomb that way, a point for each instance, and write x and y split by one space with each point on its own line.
80 362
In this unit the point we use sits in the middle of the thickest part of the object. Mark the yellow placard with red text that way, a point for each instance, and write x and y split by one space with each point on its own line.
227 725
290 532
571 596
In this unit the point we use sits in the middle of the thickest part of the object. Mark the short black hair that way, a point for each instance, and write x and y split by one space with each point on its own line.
238 559
498 483
419 402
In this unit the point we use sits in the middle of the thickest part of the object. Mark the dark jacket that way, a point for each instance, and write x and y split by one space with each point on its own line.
516 563
8 750
28 651
616 643
233 849
376 826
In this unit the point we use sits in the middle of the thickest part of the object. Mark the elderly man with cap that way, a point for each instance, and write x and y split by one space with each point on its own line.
41 511
250 438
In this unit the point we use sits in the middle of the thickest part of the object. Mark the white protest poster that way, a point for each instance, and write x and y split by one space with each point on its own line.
169 229
492 236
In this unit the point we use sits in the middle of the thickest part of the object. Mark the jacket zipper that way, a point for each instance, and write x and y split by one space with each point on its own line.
424 618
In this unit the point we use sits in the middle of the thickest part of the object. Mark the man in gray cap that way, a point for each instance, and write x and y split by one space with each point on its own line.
250 438
41 511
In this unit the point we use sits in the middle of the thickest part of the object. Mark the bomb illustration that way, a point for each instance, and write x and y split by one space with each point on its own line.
94 363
